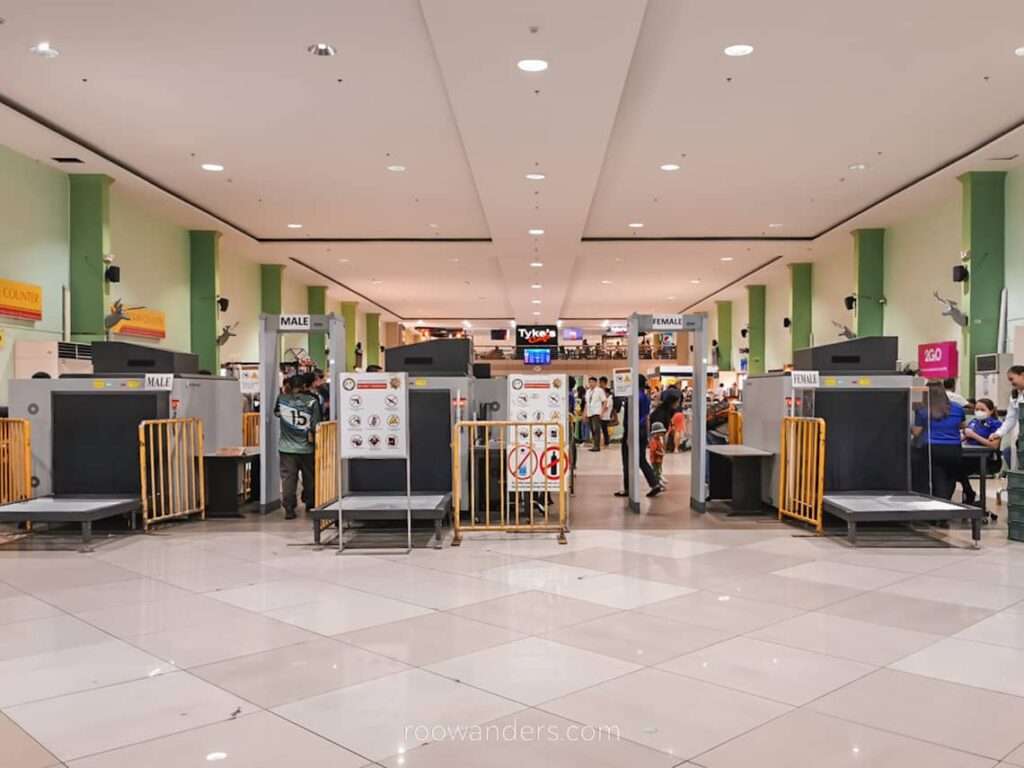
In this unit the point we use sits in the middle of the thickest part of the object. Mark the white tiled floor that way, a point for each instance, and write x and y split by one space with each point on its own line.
712 648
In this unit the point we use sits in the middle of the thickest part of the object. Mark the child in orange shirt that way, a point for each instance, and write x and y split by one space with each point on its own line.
656 446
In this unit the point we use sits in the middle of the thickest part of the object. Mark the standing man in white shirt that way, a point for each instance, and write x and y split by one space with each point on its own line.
1015 374
596 398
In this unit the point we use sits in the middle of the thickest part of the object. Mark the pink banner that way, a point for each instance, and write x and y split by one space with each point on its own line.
938 360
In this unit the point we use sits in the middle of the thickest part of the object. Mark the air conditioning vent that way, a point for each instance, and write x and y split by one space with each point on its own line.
1006 159
70 351
66 160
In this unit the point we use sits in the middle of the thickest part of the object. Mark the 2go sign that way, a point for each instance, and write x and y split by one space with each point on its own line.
938 360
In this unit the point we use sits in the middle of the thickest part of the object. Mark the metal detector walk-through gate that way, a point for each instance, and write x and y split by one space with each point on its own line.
271 329
696 325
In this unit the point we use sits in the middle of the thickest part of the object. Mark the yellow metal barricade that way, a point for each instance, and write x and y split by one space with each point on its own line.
326 463
515 472
251 430
172 471
15 460
735 427
802 469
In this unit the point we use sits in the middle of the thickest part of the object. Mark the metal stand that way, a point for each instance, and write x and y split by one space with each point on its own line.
408 523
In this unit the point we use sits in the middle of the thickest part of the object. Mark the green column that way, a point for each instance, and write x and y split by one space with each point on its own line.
270 288
984 240
204 255
348 313
869 261
316 304
724 335
800 279
373 338
756 303
89 235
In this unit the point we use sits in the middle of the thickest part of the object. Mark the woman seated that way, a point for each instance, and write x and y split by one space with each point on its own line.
937 432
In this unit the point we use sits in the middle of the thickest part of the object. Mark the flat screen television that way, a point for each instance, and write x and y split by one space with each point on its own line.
537 356
499 334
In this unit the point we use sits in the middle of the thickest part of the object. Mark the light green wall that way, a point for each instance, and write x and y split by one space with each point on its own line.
920 254
240 282
154 258
1015 253
33 247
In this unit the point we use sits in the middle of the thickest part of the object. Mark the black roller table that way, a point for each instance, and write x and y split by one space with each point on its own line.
224 473
897 507
738 467
387 506
70 509
981 454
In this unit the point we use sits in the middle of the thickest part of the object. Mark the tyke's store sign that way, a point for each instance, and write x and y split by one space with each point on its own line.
21 300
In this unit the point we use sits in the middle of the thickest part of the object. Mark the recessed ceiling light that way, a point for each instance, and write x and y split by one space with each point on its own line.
212 167
322 49
532 65
536 231
536 314
396 168
536 286
858 166
536 263
294 226
45 50
695 282
671 298
343 261
637 224
535 301
214 757
535 176
1019 51
419 322
606 282
741 49
727 258
774 226
376 282
669 167
433 226
454 259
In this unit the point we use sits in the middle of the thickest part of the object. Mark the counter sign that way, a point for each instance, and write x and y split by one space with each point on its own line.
294 323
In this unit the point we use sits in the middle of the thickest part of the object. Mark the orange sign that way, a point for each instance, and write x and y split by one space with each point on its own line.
22 300
149 323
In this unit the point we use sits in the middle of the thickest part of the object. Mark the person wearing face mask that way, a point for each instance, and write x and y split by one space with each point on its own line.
978 432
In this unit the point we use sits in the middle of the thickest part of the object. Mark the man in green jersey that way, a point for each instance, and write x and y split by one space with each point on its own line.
299 413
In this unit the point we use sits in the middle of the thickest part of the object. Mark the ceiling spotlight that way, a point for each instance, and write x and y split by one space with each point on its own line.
419 322
454 259
376 282
606 282
695 281
727 258
532 65
322 49
396 168
535 301
536 263
536 231
343 261
535 176
671 298
294 226
214 757
536 286
536 314
212 167
433 226
45 50
1019 51
669 167
742 49
636 224
858 166
774 226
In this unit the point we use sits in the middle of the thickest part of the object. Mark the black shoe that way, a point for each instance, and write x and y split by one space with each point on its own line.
595 450
655 491
289 515
621 494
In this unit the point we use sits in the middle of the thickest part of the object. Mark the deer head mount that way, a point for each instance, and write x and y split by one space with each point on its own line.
953 310
226 333
844 330
118 313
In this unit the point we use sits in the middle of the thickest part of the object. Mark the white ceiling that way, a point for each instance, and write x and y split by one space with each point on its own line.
158 88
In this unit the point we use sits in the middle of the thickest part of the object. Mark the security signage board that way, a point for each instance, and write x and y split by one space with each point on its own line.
373 415
297 323
671 323
160 382
249 381
805 379
539 403
622 379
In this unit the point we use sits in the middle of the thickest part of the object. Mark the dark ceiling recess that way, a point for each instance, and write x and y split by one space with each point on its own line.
66 160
